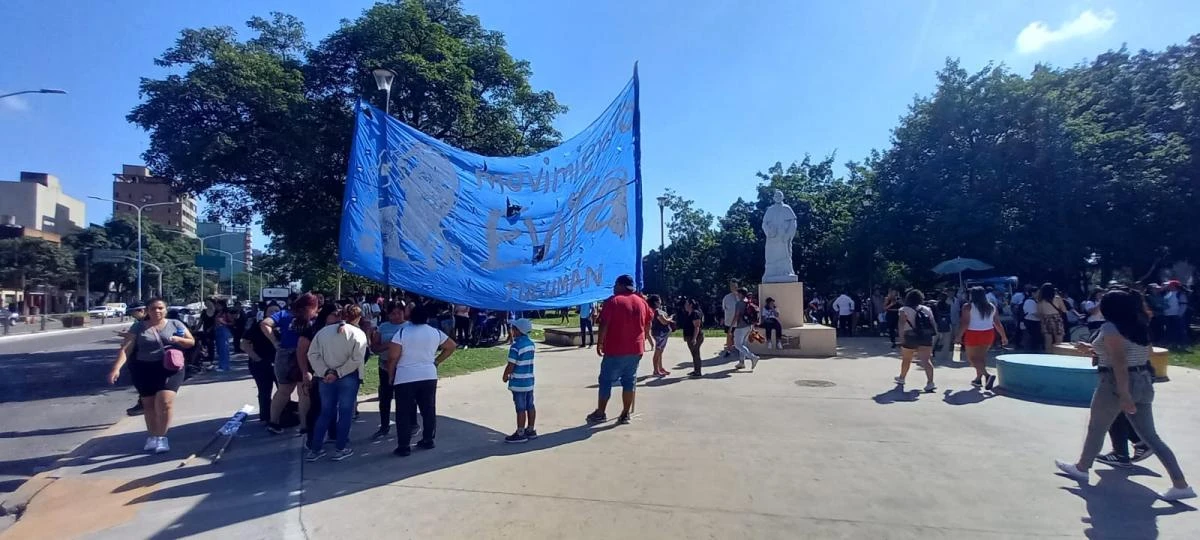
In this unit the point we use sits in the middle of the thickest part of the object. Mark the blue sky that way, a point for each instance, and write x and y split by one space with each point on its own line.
727 89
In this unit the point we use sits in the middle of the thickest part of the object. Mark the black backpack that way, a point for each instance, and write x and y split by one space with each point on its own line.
923 327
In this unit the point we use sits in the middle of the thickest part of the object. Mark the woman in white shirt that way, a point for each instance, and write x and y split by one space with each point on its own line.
917 329
413 357
979 321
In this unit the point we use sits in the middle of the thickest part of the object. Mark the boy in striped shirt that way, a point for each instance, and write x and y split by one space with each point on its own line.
519 376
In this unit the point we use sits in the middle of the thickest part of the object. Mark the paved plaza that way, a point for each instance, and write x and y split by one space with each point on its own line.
801 448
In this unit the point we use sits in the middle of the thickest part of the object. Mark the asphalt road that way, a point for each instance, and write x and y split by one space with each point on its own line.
53 397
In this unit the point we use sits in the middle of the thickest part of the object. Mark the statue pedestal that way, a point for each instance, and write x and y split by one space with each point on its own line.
789 298
800 339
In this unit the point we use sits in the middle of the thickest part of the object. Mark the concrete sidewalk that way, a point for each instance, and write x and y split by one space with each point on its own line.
802 448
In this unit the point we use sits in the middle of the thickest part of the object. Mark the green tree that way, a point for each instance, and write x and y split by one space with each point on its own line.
27 263
262 125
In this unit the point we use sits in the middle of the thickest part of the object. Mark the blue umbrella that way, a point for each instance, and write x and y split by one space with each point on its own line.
958 265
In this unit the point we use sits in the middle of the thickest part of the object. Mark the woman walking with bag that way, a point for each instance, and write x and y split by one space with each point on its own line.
155 344
917 327
1122 349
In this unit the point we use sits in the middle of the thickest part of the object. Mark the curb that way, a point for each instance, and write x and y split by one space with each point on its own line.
19 337
17 501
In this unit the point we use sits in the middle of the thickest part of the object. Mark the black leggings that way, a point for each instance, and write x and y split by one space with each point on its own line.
385 404
410 397
263 372
695 350
773 325
462 329
1121 433
586 329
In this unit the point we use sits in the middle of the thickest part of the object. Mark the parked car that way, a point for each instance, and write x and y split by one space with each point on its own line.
103 311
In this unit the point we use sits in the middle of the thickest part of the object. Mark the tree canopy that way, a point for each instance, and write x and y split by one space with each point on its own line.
1064 174
261 125
1068 173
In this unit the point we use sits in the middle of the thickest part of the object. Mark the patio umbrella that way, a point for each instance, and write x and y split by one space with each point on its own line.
958 265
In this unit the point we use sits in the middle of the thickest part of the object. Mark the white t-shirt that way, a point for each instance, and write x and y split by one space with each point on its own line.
844 305
729 305
1031 312
1018 299
420 343
991 297
908 318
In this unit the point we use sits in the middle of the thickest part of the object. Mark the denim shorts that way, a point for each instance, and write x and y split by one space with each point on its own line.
523 401
622 368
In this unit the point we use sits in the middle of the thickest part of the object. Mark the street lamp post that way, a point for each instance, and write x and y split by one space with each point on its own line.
662 242
38 91
231 260
201 239
139 209
383 81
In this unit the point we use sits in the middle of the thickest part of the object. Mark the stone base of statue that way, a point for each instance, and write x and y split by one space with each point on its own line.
799 338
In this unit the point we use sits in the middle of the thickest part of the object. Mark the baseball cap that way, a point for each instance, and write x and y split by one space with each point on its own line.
524 325
625 281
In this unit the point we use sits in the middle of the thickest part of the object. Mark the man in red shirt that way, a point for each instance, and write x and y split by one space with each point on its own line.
624 327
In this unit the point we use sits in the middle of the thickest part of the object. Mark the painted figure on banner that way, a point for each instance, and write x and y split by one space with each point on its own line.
779 224
430 184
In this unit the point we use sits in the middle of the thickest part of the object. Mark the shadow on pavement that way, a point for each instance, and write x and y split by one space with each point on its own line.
49 375
966 397
898 393
257 477
51 432
1118 507
1001 391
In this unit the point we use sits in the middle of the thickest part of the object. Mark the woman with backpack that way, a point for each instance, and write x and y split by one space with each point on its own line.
1052 313
1126 386
745 317
660 330
979 322
155 345
917 328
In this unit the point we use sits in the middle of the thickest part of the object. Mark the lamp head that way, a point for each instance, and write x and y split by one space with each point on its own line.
383 78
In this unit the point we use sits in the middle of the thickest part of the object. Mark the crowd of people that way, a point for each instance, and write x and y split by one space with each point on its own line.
317 351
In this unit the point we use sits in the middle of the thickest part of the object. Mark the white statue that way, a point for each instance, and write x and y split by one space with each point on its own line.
779 224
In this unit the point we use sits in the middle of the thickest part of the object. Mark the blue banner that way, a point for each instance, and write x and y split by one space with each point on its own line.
543 231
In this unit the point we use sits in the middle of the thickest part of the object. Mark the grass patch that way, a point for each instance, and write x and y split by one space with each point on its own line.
463 361
556 320
1187 359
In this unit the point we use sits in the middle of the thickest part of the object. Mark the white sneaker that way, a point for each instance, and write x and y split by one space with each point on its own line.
162 447
770 345
899 380
1071 470
1178 494
929 388
753 363
151 443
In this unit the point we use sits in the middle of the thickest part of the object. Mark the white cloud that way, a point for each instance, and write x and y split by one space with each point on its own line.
1037 35
14 103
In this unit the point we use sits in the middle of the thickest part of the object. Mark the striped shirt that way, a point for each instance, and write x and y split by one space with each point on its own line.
521 356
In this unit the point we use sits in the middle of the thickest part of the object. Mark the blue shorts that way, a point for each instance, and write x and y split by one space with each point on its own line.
622 368
523 401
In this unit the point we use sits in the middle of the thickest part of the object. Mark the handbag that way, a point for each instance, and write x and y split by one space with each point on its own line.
172 358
